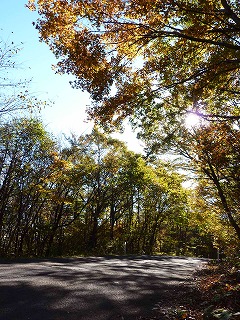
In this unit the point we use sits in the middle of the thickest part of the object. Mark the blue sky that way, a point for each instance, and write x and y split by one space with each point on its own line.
67 114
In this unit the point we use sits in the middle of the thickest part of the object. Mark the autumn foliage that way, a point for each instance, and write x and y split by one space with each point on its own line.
130 54
153 62
93 196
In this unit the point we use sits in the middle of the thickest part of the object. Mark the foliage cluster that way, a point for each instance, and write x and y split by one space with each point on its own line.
162 58
92 196
96 196
154 62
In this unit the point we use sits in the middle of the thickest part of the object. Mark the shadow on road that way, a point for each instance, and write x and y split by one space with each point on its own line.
102 288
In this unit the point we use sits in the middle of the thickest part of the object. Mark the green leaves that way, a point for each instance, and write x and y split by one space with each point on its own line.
92 195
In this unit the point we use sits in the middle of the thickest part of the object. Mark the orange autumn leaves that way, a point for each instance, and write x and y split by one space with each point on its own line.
131 46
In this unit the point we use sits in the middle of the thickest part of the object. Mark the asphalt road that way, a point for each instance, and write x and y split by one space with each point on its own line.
96 288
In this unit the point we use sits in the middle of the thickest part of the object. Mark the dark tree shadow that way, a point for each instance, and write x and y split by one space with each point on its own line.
91 288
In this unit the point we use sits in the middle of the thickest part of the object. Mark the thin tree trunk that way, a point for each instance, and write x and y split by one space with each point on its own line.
223 199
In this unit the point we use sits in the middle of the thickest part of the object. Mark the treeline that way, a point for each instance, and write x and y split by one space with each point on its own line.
91 196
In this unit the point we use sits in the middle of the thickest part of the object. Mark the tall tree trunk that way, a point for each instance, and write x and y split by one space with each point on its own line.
93 236
112 221
211 174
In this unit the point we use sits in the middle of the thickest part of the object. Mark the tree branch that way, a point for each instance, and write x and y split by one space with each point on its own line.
213 117
230 12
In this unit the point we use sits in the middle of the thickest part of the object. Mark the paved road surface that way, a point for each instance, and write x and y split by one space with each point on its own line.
90 288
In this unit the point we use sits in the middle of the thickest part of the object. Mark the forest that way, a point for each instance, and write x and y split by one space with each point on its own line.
89 194
93 196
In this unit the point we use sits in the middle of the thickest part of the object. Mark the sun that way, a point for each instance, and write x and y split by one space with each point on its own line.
192 120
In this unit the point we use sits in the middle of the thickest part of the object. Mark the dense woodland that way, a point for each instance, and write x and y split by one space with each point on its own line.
90 194
93 195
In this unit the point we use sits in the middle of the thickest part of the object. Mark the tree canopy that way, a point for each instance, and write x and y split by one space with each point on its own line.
153 62
92 196
214 151
139 57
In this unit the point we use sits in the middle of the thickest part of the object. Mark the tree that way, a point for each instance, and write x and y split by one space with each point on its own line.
209 222
164 207
161 57
127 200
131 47
26 156
14 94
93 195
106 189
217 155
212 151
